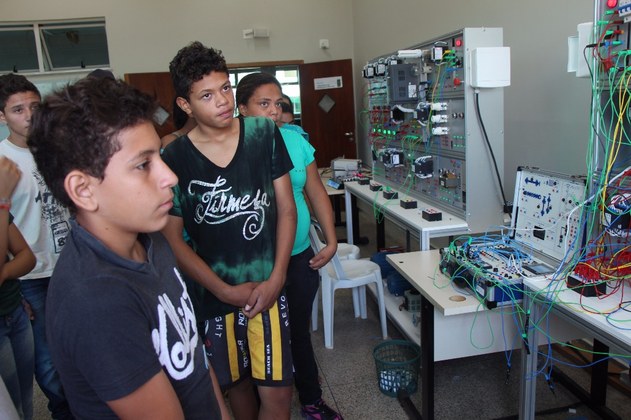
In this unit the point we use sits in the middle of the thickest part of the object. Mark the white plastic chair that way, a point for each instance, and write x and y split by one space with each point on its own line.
345 251
344 274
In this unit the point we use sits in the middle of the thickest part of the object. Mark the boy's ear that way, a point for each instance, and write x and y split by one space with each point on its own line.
2 117
242 110
79 187
184 105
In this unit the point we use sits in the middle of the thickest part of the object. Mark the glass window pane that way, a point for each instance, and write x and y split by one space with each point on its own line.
18 51
293 91
287 75
242 74
75 46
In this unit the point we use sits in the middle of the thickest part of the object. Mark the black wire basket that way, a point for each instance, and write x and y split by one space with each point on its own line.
398 365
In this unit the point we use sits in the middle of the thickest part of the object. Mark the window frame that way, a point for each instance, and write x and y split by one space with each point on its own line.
269 67
43 51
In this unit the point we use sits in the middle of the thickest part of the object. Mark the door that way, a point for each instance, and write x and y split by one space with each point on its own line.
160 87
328 111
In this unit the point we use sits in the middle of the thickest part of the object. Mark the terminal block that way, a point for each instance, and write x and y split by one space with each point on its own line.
392 157
374 186
449 179
408 203
424 167
440 131
439 118
432 215
586 287
369 71
390 194
439 106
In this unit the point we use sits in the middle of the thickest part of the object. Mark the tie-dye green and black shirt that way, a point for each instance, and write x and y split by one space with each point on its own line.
230 212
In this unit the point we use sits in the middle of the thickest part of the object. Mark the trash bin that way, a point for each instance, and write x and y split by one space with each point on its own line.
398 363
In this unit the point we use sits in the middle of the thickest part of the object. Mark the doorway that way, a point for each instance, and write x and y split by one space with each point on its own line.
328 111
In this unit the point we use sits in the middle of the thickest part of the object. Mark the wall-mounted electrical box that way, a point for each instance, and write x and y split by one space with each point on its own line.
490 67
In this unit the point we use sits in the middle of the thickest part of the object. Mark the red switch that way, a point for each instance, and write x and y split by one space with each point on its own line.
457 81
612 4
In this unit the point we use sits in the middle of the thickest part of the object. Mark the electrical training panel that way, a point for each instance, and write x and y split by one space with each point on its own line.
427 140
607 256
545 235
547 213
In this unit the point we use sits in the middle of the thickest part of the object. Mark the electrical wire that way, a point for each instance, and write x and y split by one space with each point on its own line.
488 145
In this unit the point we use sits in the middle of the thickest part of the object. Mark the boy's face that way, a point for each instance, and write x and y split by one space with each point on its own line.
18 112
211 101
135 194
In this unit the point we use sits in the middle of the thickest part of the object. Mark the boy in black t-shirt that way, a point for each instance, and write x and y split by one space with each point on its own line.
120 322
235 200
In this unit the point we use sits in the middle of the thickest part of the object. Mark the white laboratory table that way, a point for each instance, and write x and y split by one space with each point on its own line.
545 298
409 219
453 323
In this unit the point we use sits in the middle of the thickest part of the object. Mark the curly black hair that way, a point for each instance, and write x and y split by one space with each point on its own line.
12 83
76 128
250 83
191 64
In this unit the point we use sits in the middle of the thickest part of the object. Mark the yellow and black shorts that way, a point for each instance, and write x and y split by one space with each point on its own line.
238 347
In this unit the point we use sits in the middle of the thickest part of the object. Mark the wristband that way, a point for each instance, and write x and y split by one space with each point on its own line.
5 204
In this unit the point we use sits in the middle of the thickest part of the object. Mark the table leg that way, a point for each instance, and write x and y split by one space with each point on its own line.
598 389
352 221
337 210
381 234
424 240
351 216
427 358
527 394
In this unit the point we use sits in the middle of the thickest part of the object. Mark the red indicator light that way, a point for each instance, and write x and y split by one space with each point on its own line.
612 4
458 42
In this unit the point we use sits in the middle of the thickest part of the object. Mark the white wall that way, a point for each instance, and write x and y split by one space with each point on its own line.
144 35
546 110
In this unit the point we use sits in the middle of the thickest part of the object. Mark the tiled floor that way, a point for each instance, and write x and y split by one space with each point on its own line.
469 388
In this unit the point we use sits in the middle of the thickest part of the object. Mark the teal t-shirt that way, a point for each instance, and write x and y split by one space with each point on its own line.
230 212
298 129
301 153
